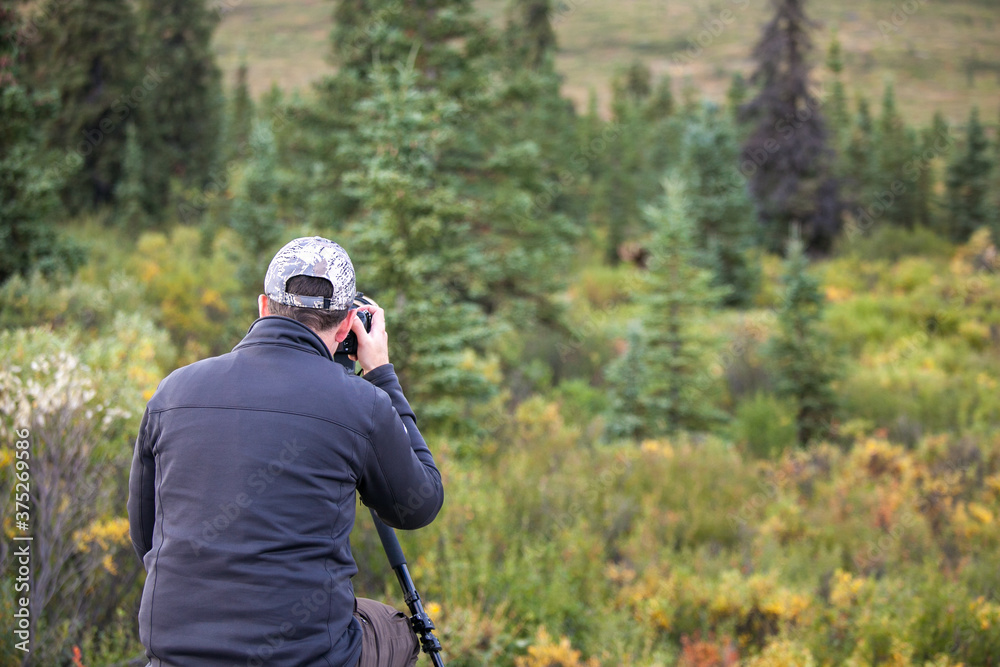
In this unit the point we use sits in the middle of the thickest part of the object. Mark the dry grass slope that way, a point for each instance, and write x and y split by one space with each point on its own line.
941 56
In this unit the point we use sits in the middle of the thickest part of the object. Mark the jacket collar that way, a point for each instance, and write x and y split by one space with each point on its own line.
278 330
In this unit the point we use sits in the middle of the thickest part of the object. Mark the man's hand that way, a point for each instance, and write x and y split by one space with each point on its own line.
373 347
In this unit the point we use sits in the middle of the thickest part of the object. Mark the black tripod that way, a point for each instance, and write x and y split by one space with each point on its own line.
419 621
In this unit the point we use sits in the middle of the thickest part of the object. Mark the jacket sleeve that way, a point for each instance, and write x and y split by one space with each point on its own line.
399 480
141 504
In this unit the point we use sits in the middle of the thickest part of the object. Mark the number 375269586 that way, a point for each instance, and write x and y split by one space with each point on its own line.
22 473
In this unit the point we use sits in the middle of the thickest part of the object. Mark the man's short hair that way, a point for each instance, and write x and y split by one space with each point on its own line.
316 319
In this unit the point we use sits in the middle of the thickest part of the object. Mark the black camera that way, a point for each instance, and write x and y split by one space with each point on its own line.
349 345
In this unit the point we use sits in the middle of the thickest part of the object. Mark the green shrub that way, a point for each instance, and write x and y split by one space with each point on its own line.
764 426
891 242
199 296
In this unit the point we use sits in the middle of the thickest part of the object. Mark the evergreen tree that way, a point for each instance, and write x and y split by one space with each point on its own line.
996 185
799 353
676 392
130 196
626 177
530 37
241 116
528 112
506 148
417 247
662 134
627 377
896 146
793 183
968 184
615 201
661 103
836 104
935 147
858 169
87 54
924 180
439 37
634 85
720 206
736 95
503 183
255 209
28 193
180 130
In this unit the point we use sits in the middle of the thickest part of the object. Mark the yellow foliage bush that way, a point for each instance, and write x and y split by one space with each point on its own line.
545 652
201 299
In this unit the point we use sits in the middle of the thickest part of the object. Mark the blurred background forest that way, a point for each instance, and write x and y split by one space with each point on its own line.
698 304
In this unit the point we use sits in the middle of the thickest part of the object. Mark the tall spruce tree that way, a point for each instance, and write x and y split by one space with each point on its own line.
799 354
255 209
736 96
996 183
835 106
529 109
858 163
968 184
529 35
180 129
28 192
720 206
663 131
626 177
793 181
441 35
936 145
661 103
239 121
417 247
896 147
924 179
506 142
501 183
676 392
627 377
130 196
87 53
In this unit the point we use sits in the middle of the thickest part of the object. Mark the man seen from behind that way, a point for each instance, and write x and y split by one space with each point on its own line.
242 487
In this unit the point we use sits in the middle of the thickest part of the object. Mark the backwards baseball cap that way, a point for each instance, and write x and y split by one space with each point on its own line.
317 257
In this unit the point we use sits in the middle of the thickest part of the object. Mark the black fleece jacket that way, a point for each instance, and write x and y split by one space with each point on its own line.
242 499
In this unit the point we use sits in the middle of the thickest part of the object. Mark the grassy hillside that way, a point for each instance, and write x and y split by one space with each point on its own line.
940 55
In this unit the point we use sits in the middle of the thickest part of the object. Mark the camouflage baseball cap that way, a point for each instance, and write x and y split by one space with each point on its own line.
317 257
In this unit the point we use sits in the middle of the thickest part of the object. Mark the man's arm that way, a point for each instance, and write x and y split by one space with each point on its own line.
141 503
400 481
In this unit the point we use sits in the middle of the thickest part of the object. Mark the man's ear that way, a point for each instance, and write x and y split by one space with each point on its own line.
262 305
344 327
